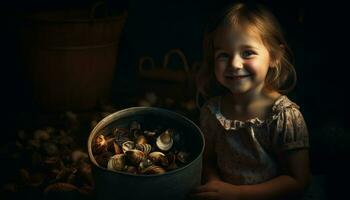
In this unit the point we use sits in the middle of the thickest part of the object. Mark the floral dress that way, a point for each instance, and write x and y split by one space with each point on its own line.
247 151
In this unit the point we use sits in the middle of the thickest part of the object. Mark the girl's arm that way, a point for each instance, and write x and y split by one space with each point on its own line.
210 172
291 184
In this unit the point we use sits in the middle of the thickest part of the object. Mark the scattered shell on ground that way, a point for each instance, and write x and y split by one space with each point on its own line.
78 155
62 191
41 135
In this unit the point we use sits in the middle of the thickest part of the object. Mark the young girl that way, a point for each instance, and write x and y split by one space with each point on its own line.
256 138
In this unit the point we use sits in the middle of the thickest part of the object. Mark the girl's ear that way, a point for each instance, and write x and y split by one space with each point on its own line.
276 59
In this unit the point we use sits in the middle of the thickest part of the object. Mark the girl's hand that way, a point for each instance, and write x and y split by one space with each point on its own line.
217 190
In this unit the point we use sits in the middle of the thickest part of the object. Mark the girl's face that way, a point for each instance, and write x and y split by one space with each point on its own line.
241 61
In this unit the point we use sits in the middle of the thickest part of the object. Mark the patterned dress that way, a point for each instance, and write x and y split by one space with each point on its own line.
247 151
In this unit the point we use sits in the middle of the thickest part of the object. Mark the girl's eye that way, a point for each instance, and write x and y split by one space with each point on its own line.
247 54
223 56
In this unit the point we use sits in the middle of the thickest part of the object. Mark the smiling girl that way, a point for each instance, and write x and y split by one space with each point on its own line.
256 137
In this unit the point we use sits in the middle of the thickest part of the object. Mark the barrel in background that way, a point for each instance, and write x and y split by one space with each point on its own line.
70 57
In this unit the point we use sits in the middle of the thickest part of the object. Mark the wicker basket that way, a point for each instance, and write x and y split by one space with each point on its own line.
165 81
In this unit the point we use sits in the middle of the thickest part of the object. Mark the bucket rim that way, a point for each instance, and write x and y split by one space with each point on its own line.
104 122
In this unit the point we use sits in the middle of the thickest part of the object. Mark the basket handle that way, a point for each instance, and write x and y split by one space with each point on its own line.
180 54
144 59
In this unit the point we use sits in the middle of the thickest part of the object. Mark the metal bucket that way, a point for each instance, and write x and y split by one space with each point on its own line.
172 185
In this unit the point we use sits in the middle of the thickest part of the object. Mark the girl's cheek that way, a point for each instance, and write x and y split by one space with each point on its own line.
219 69
252 66
221 64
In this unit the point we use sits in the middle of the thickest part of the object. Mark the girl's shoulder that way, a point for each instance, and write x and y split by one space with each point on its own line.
211 105
283 104
208 112
288 125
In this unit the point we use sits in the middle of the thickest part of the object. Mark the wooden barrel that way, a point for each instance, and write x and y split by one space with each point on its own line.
70 57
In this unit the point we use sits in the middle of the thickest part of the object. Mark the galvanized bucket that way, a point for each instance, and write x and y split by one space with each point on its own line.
172 185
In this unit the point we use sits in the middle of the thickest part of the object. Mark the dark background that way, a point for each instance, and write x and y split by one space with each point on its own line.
316 32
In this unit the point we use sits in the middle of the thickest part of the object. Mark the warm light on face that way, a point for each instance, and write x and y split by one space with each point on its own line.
241 60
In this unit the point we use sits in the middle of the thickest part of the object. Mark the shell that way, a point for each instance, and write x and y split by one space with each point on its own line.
135 129
50 149
85 174
144 164
116 162
165 141
172 166
145 148
31 179
172 161
78 155
41 135
53 163
62 191
141 139
102 159
121 135
153 169
130 169
99 145
110 143
127 146
135 156
117 149
183 157
158 158
136 133
64 174
100 140
149 133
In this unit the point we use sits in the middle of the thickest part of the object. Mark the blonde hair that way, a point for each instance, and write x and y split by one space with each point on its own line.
250 17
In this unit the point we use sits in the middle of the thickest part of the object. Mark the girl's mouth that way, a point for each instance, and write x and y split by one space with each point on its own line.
237 77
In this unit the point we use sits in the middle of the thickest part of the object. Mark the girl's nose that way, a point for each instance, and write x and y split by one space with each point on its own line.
237 62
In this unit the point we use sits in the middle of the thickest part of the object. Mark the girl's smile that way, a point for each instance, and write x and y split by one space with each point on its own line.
237 77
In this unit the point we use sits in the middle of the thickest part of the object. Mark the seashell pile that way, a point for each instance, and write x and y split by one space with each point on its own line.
140 151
